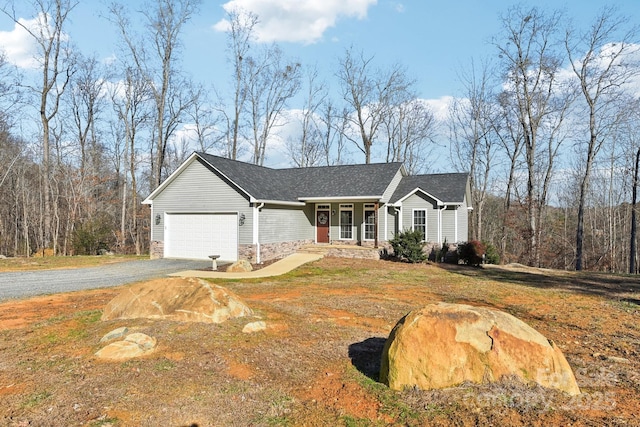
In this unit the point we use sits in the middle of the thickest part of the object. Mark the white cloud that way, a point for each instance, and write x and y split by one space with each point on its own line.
18 45
440 107
302 21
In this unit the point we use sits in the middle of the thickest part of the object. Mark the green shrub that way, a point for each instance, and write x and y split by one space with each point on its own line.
471 252
491 254
407 245
93 236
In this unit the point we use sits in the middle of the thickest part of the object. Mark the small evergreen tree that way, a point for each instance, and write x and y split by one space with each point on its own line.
408 245
491 254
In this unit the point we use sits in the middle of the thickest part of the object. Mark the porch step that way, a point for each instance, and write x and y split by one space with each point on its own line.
314 249
343 251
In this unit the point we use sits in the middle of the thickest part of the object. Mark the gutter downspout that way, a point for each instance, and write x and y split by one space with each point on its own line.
399 217
256 230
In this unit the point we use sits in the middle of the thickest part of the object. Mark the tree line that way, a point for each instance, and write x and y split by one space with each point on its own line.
550 125
546 126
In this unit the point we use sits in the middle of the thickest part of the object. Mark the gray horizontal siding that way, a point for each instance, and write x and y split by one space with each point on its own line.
286 223
463 223
420 201
392 187
449 224
198 189
392 223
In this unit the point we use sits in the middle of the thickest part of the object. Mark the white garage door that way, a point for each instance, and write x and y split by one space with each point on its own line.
196 236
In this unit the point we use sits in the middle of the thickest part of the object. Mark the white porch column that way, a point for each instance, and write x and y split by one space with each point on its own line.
256 229
455 224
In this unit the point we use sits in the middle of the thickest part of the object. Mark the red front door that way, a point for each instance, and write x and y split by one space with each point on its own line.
322 226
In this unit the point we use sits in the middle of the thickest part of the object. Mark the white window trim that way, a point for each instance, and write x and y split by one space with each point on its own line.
367 207
413 223
346 207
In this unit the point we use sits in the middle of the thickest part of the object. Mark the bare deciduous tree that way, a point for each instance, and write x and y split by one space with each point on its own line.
409 127
55 59
204 120
531 61
240 34
473 124
155 54
368 92
271 81
602 62
306 149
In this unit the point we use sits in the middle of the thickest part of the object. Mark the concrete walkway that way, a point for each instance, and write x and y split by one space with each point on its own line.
283 266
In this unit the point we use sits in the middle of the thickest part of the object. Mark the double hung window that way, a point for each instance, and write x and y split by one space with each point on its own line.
420 221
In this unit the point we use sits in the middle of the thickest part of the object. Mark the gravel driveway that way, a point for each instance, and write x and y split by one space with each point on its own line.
22 284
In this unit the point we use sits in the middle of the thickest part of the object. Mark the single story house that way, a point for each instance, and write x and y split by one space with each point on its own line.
216 206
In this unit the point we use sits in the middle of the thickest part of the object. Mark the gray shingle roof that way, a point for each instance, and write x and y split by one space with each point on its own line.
446 187
292 184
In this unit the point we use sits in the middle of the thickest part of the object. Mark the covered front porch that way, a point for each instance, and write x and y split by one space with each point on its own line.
354 223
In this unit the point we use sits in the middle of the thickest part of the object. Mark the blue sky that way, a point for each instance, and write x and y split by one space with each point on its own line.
434 40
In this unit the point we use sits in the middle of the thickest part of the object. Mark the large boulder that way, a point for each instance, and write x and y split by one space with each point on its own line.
179 299
443 345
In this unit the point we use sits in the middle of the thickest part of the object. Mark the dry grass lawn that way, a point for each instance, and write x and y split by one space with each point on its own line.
317 362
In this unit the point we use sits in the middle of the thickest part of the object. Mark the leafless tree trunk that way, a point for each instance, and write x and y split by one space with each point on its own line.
634 210
531 66
472 126
131 109
409 126
155 55
271 82
368 94
307 149
204 120
333 127
600 60
240 34
55 58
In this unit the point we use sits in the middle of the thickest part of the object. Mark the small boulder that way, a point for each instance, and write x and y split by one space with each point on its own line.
115 334
240 266
443 345
134 345
254 327
179 299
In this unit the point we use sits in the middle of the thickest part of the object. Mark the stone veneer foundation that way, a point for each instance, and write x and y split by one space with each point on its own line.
269 251
342 249
156 250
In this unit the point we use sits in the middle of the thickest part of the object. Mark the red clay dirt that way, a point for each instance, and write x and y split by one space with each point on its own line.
317 362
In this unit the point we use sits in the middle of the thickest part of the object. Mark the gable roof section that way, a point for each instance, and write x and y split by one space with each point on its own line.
299 184
446 188
257 181
296 185
357 181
